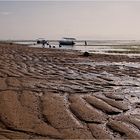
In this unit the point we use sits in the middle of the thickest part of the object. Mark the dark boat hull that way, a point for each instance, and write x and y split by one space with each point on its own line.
66 43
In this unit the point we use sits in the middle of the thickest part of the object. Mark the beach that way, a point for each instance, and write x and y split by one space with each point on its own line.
50 93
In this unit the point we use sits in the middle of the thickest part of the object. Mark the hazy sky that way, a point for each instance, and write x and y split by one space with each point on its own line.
82 20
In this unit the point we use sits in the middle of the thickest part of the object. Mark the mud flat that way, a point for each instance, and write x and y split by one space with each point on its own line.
52 93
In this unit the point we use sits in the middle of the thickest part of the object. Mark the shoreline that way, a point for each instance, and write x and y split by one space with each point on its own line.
123 57
57 93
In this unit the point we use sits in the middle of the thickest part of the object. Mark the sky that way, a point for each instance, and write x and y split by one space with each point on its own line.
105 20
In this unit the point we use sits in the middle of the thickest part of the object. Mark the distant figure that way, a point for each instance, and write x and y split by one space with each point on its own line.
60 46
85 43
43 43
50 46
47 43
53 46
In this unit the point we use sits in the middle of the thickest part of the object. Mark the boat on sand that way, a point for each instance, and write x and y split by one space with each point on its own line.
67 41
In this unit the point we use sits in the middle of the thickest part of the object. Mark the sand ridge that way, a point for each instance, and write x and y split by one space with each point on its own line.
52 93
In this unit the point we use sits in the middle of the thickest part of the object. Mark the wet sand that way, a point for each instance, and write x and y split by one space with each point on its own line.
52 93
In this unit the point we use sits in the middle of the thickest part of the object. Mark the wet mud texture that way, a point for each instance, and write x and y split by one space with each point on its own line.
50 93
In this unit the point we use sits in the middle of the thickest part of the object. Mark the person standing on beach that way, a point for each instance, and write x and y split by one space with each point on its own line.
85 43
43 43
